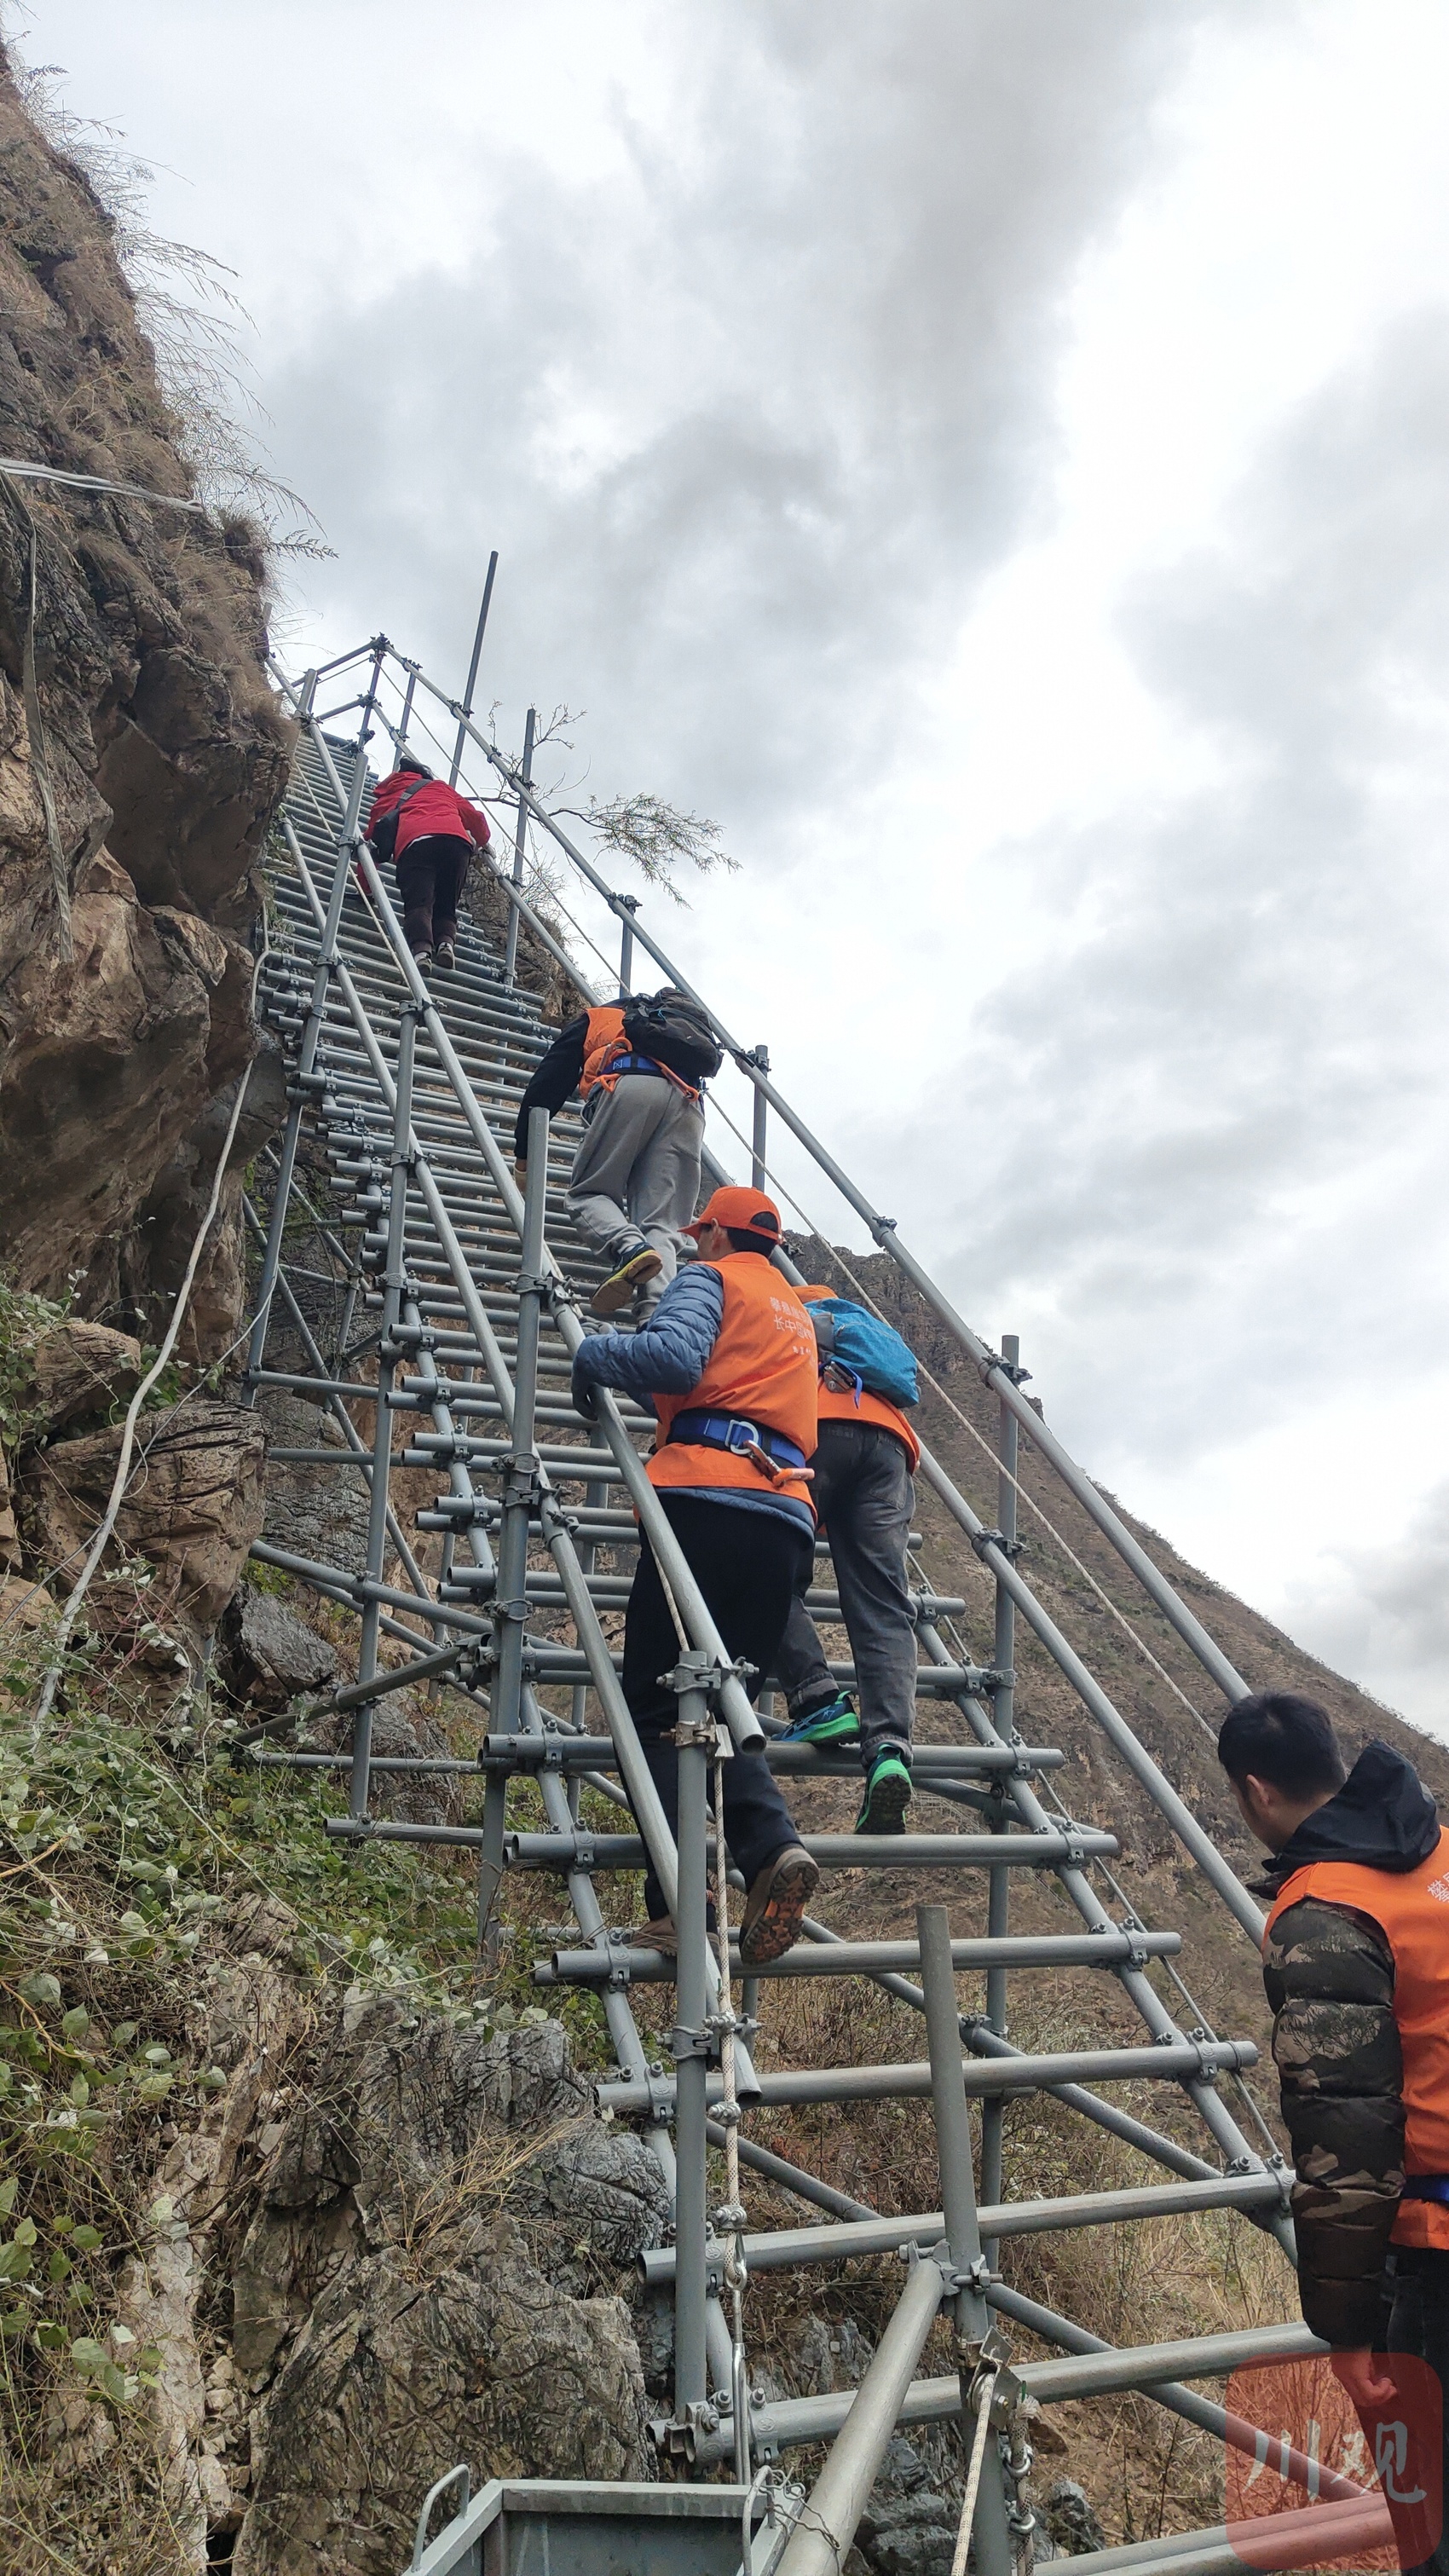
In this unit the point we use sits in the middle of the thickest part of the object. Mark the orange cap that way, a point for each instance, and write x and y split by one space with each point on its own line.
749 1211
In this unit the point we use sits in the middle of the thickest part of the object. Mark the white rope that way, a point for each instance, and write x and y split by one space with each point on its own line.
119 1482
973 2478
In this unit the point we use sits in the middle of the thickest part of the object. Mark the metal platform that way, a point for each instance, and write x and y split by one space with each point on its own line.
463 1298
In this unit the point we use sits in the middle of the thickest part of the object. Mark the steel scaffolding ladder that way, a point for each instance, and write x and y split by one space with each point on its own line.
462 1295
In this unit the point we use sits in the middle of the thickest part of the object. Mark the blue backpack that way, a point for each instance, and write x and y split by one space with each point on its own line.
864 1349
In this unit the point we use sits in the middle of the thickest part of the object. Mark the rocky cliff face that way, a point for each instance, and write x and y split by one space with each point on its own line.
141 756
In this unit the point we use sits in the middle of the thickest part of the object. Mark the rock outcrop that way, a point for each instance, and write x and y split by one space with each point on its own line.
191 1517
419 2286
141 757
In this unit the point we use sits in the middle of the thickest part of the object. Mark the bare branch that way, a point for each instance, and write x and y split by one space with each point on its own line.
657 838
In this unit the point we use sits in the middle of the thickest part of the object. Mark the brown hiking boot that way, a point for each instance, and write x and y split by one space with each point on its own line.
632 1272
775 1905
659 1935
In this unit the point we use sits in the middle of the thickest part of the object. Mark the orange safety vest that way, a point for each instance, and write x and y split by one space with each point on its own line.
870 1408
603 1040
1412 1912
762 1369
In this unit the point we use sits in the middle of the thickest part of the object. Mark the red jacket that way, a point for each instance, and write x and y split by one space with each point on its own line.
435 808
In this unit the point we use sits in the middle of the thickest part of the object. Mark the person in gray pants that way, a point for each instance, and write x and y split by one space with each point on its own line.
865 1495
635 1181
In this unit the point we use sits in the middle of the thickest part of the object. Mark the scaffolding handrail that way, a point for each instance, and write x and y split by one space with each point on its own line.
882 1229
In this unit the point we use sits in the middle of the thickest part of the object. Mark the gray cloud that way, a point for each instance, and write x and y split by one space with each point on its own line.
1197 1124
748 422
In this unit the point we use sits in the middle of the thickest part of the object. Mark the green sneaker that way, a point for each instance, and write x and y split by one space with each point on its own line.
835 1723
887 1796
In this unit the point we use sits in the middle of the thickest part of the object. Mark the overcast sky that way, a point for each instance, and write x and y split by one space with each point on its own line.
990 455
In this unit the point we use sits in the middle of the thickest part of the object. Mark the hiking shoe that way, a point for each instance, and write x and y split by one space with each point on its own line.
445 954
775 1905
658 1935
887 1796
423 960
835 1723
618 1290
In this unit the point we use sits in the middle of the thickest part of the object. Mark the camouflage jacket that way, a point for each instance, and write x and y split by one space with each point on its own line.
1330 1978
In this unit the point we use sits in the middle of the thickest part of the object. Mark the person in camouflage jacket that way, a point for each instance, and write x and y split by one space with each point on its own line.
1356 1967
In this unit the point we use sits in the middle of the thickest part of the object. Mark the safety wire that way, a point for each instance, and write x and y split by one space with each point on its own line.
731 2217
986 2386
841 1263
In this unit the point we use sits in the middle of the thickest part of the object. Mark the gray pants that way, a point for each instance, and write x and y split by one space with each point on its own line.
637 1171
865 1495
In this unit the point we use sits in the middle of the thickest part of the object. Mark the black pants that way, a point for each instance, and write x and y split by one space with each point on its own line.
430 876
1419 2324
747 1565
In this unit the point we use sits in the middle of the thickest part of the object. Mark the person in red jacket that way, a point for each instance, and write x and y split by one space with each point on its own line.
430 832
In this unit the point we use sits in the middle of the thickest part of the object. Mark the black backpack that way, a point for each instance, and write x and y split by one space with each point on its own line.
384 838
676 1032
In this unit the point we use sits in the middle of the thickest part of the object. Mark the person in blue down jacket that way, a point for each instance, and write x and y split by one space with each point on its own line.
729 1363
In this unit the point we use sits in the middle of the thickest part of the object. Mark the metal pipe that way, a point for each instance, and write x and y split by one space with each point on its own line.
690 2043
794 2420
867 1958
520 841
759 1164
991 2536
1138 1760
789 2177
1313 2535
913 2082
826 2527
388 1351
883 1231
1106 2374
847 1851
1003 1656
354 1454
350 806
629 905
1186 2402
782 2249
520 1501
472 672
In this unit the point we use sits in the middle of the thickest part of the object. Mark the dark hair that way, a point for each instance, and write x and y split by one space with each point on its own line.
405 760
743 1242
1282 1739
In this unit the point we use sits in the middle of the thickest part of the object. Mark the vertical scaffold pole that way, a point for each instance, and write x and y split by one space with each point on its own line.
958 2204
389 1351
510 946
998 1899
473 671
630 903
401 737
520 1503
311 1037
694 1737
759 1131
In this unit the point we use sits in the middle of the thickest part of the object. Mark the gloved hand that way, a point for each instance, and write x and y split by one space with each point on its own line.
581 1392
